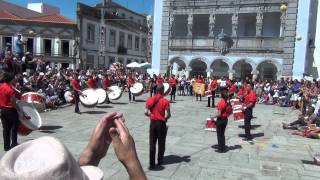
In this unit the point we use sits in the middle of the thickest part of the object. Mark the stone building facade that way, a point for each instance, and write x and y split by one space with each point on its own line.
122 37
235 38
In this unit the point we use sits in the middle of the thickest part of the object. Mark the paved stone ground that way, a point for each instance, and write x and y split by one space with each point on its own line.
275 153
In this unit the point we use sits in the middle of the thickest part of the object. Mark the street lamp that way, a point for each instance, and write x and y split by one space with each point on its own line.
283 8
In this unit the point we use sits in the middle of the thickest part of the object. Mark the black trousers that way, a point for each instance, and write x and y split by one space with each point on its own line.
76 102
131 96
10 122
198 95
212 98
173 93
247 122
221 127
157 133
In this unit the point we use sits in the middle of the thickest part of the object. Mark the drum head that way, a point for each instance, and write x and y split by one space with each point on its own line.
102 96
114 93
68 96
91 99
137 89
35 122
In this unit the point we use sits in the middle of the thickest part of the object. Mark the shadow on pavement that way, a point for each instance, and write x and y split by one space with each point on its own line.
252 126
140 100
228 148
48 128
105 106
119 103
47 132
253 135
94 112
309 162
174 159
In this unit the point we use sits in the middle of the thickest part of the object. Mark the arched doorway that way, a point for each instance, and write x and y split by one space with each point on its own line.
267 70
177 65
243 70
220 68
198 67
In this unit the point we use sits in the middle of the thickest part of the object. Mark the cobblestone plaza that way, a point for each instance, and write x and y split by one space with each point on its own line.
274 153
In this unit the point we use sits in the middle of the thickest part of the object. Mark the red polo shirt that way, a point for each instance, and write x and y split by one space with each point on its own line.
232 89
251 97
173 82
92 84
160 81
6 93
224 108
199 81
241 92
131 81
158 112
214 84
106 83
76 85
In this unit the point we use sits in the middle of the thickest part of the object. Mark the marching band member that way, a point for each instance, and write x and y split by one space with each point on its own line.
131 81
232 89
159 80
250 99
224 111
105 86
199 81
213 88
173 84
75 83
9 111
91 83
158 110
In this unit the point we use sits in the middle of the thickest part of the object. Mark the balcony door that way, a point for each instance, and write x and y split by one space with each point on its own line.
47 47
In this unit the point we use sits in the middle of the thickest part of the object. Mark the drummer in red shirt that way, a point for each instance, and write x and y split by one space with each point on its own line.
105 86
92 83
232 89
249 103
159 80
242 92
173 84
213 88
224 111
158 110
9 111
75 83
131 81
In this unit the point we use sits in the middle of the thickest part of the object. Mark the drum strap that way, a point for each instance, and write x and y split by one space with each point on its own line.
155 103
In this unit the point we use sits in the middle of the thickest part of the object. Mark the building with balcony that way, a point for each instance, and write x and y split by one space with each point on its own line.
44 31
121 36
232 38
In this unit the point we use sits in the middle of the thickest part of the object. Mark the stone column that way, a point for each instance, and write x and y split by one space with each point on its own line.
190 25
255 74
231 72
235 22
212 24
171 20
259 24
283 23
188 72
209 72
39 45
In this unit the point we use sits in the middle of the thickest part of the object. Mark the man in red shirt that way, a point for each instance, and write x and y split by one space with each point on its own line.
158 110
173 84
9 111
224 111
92 83
159 80
213 86
106 85
75 83
249 103
131 81
232 89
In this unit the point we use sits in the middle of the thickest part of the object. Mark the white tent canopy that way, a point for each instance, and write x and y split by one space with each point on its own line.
133 65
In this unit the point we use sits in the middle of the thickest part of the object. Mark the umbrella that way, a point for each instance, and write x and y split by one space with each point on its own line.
133 65
146 65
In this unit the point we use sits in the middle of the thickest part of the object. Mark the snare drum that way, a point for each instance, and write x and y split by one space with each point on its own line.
91 98
137 89
102 95
28 125
210 125
68 97
35 99
167 89
114 93
238 115
208 94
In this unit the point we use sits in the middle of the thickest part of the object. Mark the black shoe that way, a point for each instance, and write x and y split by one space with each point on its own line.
221 150
152 167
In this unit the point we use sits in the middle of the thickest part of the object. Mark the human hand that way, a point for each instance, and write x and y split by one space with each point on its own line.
99 141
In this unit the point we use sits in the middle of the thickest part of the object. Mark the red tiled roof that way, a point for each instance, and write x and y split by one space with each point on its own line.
55 18
8 15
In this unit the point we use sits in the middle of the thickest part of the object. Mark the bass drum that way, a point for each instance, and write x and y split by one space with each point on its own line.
167 89
90 100
35 99
114 93
28 125
137 89
68 97
102 95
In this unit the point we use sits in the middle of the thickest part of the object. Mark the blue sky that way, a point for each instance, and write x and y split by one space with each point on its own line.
68 7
